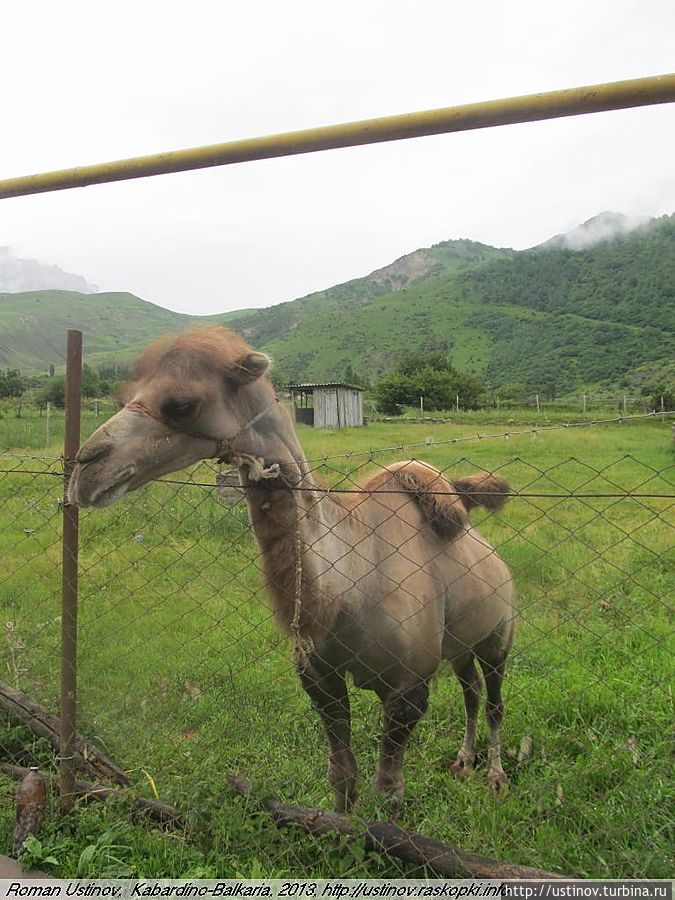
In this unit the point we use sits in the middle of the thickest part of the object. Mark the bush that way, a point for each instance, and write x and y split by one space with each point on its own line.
52 391
11 384
432 377
658 392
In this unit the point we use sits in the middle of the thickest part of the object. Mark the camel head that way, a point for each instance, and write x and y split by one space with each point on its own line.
189 398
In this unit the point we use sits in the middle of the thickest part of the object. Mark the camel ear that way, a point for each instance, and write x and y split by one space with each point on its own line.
252 366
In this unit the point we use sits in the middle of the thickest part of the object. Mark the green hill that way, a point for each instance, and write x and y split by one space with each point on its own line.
115 326
544 318
33 325
276 326
584 316
550 318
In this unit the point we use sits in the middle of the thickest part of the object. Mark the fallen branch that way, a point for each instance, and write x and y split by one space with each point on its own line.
42 723
86 790
393 841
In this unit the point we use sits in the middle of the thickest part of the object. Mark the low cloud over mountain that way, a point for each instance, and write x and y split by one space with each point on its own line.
604 227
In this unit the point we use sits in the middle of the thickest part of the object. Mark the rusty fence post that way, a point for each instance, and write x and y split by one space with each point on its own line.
69 574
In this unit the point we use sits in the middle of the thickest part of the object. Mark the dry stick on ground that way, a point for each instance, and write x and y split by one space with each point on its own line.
391 840
85 790
42 723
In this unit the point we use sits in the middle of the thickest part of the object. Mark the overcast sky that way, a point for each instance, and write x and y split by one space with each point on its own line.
90 82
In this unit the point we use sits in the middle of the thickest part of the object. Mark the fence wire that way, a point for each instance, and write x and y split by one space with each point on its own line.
186 678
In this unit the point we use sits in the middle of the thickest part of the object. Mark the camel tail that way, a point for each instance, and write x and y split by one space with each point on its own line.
490 491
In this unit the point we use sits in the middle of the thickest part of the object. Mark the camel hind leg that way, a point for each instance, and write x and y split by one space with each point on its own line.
466 672
493 665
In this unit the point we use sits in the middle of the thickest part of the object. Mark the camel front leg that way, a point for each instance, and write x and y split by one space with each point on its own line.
327 689
402 711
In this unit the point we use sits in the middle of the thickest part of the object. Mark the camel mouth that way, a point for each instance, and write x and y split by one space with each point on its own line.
103 496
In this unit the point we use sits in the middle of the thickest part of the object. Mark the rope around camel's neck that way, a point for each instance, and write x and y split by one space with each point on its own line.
283 478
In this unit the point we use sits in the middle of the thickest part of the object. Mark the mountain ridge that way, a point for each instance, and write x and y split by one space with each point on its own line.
548 315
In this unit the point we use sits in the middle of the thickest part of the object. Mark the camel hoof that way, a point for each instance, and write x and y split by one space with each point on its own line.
344 807
499 783
344 801
344 783
462 766
391 793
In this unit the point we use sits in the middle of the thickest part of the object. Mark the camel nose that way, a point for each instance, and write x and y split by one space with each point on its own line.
93 450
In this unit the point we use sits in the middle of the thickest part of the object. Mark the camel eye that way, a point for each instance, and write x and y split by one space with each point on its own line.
178 408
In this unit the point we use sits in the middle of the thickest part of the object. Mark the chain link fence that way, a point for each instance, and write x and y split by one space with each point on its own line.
184 678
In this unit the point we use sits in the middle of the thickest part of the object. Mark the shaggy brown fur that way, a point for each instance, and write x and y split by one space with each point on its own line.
488 490
197 355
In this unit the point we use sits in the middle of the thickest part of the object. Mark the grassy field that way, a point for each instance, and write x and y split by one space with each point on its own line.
183 678
31 430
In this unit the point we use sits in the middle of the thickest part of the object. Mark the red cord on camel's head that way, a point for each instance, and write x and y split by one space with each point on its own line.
224 445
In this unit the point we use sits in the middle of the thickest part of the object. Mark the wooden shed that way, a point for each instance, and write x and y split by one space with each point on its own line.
330 405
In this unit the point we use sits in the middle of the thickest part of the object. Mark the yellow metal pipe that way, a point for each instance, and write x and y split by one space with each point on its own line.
530 108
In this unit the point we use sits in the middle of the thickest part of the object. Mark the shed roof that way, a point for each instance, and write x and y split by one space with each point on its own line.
323 384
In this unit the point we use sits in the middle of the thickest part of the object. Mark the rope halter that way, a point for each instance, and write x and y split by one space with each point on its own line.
224 446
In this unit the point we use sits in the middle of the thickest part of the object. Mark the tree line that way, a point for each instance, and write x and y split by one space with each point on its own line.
43 389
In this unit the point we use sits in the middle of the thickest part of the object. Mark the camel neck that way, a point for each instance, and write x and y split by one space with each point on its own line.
287 515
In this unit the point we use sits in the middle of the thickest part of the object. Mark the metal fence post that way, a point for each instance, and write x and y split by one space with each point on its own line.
69 574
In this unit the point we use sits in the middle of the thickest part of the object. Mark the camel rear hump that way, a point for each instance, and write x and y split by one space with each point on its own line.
439 504
444 504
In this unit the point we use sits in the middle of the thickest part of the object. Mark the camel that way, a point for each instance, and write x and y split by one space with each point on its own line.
382 583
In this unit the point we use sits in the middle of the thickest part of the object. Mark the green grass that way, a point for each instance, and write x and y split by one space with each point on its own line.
32 431
183 676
